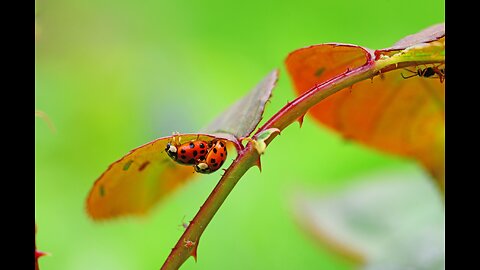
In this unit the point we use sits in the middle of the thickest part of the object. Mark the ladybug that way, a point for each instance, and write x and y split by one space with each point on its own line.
216 156
190 153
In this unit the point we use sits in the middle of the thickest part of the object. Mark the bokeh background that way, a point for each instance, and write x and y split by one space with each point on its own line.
113 75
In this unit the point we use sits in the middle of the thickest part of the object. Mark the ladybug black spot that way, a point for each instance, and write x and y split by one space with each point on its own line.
183 151
215 165
215 150
212 160
202 151
183 157
192 145
202 158
221 144
221 154
195 153
202 145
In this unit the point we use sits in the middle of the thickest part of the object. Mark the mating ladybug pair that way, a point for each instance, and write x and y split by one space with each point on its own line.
206 157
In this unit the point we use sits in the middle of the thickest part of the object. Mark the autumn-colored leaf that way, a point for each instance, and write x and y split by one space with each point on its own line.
144 176
316 64
242 118
133 184
403 116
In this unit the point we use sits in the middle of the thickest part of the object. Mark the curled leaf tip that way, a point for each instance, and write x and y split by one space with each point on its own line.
260 138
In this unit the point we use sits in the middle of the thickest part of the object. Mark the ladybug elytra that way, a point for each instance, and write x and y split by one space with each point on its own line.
206 157
188 153
214 159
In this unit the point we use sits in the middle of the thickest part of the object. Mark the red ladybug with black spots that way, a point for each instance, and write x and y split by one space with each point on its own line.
190 153
214 159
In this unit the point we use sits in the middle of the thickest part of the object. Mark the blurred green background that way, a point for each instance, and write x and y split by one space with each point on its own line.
113 75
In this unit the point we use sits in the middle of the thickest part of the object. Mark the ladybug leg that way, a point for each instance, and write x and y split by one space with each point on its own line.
171 142
176 138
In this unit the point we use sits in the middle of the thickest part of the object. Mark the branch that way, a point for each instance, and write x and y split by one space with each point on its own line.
248 157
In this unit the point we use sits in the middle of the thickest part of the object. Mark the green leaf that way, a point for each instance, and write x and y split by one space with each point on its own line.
242 118
388 221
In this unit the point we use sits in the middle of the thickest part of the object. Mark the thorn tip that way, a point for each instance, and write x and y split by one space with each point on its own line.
300 120
259 164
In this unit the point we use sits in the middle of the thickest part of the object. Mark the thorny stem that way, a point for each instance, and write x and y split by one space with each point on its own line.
297 108
180 253
248 157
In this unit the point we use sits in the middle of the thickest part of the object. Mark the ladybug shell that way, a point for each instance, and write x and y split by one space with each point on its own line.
214 159
190 153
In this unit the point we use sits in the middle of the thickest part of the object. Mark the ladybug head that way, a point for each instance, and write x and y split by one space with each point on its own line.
202 168
171 151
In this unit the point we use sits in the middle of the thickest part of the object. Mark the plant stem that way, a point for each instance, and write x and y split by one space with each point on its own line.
188 243
296 109
247 157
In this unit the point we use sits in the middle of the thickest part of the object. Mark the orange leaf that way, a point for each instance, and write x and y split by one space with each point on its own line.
390 113
316 64
133 184
136 182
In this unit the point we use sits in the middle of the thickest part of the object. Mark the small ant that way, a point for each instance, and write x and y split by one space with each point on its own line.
184 224
428 72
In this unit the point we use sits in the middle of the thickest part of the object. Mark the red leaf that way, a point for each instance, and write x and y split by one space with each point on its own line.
392 114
